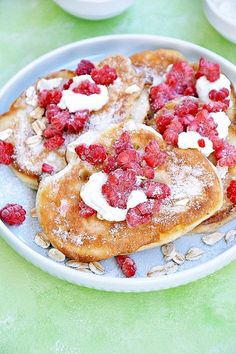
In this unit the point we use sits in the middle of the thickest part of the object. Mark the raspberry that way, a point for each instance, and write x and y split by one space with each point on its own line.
123 143
155 190
77 121
231 191
47 97
84 210
84 67
153 155
149 207
128 155
201 143
54 143
66 86
138 216
186 107
206 125
163 121
217 106
47 168
111 164
51 111
127 265
6 153
94 154
147 172
159 95
13 214
220 95
209 69
224 153
59 121
104 76
181 78
87 88
51 131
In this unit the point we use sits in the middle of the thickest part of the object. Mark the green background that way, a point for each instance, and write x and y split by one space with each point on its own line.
41 314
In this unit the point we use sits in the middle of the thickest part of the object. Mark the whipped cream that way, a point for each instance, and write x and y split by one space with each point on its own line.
77 101
88 138
31 96
223 123
49 84
203 87
91 194
189 140
222 171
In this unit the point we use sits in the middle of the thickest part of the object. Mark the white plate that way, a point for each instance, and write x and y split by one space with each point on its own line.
12 190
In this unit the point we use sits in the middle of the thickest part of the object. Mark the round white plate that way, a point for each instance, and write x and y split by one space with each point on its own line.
12 190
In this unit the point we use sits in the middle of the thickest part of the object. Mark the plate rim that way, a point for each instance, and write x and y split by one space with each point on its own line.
142 284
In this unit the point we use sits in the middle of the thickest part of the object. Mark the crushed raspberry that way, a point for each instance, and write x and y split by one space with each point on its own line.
217 106
47 168
6 153
225 153
128 155
13 214
94 154
77 121
54 142
220 95
123 143
181 78
47 97
87 88
231 191
66 86
111 164
201 143
155 190
51 131
84 67
147 172
59 120
159 95
163 121
84 210
153 155
186 107
127 266
104 76
208 69
118 187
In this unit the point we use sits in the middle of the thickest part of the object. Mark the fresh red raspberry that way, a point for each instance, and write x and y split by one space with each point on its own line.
77 121
132 165
186 107
220 95
163 121
13 214
95 154
87 88
123 143
6 153
128 155
66 86
141 214
153 155
181 78
155 190
147 172
208 69
231 191
159 95
46 168
51 111
47 97
224 153
84 67
217 106
59 121
54 143
51 131
206 125
127 265
84 210
149 207
201 143
104 76
111 164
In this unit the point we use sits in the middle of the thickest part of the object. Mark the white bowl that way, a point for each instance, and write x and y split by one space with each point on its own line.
224 24
95 9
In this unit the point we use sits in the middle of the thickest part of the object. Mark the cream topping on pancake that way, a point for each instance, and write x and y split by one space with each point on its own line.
223 122
204 86
190 139
49 84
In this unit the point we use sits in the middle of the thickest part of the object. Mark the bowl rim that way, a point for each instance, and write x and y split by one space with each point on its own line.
220 17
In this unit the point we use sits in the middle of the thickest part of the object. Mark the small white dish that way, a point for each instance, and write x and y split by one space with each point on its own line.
222 16
95 9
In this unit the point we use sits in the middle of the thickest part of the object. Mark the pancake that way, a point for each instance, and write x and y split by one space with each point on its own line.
127 98
196 194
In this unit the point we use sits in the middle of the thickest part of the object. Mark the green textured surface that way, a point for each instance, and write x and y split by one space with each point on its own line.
41 314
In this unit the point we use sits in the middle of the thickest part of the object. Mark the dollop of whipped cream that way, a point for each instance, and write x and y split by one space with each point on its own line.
223 123
31 96
189 140
77 101
91 194
49 84
203 87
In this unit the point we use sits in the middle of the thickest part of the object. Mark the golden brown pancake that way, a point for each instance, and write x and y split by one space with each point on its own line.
196 194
